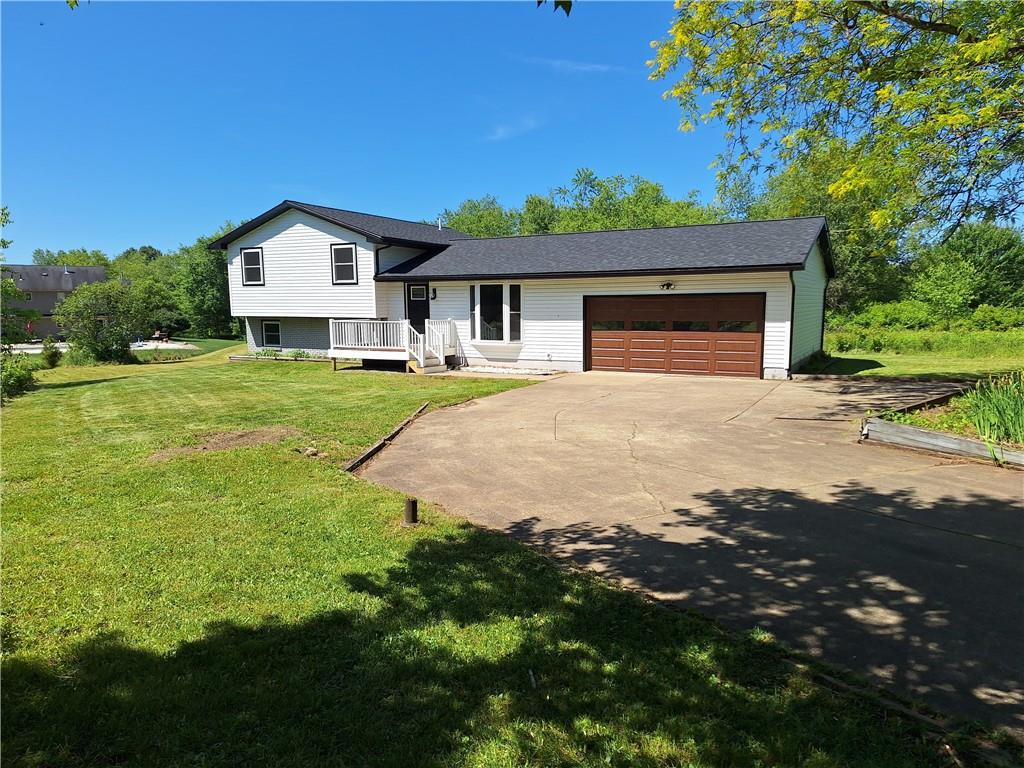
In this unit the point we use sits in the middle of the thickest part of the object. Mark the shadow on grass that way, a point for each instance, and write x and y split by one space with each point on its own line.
76 383
848 366
475 650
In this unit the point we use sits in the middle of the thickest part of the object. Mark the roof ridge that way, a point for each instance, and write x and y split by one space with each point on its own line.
644 229
374 215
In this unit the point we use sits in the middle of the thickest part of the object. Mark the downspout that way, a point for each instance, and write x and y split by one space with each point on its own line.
792 323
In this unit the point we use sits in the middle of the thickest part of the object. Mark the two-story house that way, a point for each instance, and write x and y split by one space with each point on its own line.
737 299
45 287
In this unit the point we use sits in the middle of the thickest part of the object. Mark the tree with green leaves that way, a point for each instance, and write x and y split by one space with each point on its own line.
203 287
949 287
587 203
13 320
102 319
867 254
994 253
928 96
482 217
75 257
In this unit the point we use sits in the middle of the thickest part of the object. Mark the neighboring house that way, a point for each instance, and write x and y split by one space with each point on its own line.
45 287
739 299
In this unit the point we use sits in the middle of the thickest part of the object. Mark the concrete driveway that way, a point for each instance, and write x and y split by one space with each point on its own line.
751 501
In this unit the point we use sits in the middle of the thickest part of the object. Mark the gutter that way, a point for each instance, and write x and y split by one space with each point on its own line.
396 277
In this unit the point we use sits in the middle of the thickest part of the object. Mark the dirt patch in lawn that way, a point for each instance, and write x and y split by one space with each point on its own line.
224 441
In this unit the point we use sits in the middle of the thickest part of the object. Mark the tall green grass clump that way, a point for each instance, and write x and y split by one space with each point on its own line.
996 408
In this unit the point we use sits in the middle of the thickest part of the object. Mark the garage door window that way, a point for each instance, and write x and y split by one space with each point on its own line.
737 326
648 325
608 325
691 325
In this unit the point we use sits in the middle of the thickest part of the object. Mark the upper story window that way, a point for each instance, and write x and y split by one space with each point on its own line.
495 312
252 266
343 263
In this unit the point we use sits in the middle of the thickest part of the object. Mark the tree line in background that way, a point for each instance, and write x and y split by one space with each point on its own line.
179 290
921 279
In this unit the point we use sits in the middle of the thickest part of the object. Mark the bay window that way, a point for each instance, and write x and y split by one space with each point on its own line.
495 312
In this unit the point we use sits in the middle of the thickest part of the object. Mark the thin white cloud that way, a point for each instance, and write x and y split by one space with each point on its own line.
568 65
509 130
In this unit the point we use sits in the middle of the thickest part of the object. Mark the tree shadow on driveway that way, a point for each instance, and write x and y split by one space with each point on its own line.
473 651
923 597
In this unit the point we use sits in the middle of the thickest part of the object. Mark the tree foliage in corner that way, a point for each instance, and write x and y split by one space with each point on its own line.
927 95
203 287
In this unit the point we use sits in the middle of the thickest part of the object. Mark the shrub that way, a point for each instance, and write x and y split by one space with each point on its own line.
51 354
77 356
908 315
996 407
953 343
298 354
17 373
988 318
266 352
102 319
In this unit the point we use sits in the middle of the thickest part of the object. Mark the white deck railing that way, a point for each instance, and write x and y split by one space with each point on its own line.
437 339
368 334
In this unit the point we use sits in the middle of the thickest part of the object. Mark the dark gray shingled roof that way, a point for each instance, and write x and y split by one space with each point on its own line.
376 229
33 277
741 246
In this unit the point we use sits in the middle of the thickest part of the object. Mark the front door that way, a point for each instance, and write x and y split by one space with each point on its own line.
417 304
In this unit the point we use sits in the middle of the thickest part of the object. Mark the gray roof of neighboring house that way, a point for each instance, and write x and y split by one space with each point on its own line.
747 246
38 278
376 229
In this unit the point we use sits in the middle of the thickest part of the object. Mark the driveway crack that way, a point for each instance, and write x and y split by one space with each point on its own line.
636 470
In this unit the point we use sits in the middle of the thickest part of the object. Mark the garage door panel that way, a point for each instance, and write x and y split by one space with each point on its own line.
691 345
708 333
689 365
644 343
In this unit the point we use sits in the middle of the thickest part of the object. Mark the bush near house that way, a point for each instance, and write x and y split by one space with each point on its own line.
954 343
17 373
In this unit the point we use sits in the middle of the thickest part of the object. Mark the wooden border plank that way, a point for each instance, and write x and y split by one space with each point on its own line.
881 431
374 449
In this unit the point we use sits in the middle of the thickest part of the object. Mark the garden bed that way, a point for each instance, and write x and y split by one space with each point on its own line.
984 422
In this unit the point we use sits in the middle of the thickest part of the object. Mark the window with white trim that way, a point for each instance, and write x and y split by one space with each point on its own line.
343 263
271 333
252 266
495 312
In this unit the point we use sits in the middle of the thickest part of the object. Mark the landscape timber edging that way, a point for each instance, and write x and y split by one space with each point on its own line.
876 430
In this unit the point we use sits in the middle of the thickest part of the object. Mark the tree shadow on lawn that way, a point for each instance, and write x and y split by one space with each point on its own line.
474 650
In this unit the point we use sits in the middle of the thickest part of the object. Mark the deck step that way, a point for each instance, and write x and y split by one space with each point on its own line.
432 368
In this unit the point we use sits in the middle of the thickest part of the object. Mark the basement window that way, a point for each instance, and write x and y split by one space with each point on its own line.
271 333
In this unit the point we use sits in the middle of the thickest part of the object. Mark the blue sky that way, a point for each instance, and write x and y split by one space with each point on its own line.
133 123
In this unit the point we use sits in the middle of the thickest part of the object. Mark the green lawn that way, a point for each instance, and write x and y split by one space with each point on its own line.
935 365
259 607
202 347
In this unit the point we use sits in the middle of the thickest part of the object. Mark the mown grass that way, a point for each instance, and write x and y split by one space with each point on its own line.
937 354
202 347
260 607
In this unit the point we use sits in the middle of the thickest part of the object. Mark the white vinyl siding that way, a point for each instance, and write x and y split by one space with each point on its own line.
552 313
809 307
297 271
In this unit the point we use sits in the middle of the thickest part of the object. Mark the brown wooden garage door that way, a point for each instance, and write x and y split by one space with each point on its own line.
707 333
